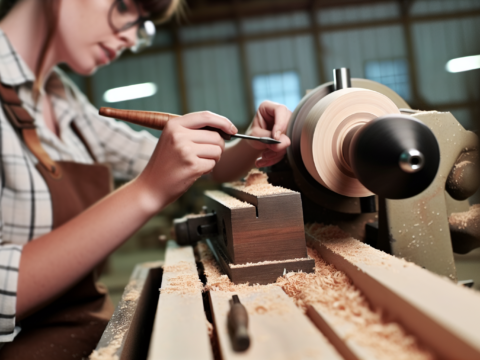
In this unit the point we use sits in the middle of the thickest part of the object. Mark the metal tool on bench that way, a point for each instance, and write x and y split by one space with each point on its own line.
413 189
158 120
238 325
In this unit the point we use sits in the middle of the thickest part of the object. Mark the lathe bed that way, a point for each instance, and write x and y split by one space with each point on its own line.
441 317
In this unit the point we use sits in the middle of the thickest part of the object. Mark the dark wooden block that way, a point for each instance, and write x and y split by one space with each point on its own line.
270 228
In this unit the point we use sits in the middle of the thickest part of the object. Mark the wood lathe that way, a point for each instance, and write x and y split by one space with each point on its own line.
364 172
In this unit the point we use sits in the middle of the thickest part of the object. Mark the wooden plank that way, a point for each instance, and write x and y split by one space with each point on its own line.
122 337
278 329
180 329
441 314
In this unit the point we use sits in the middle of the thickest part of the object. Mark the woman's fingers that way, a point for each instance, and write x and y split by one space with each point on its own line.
202 119
274 116
269 154
206 137
212 152
206 165
270 157
262 162
282 117
284 144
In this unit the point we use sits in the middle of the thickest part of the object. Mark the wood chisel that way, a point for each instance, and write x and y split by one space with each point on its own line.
238 325
158 120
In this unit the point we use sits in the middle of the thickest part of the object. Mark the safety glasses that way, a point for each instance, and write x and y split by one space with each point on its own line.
125 14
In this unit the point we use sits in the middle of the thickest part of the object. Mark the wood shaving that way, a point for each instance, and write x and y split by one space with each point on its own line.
249 264
256 177
256 183
132 295
183 284
121 327
181 278
261 189
463 164
464 219
108 353
179 267
227 200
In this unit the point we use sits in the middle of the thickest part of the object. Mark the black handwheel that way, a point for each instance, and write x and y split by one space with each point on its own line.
395 156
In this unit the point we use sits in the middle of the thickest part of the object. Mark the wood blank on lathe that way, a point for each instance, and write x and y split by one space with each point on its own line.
180 330
327 128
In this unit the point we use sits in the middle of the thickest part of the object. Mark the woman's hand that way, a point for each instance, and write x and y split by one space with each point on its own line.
271 120
182 155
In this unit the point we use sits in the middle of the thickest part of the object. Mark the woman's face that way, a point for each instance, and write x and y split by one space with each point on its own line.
85 39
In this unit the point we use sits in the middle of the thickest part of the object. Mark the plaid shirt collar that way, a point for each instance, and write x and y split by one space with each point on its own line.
13 70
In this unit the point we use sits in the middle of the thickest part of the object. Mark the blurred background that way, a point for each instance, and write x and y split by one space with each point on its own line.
227 56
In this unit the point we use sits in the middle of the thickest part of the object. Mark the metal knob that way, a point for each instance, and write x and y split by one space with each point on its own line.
411 161
395 156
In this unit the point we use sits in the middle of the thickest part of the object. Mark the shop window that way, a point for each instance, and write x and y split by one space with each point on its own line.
283 88
392 73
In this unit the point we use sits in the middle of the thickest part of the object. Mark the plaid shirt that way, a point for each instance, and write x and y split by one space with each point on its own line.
25 203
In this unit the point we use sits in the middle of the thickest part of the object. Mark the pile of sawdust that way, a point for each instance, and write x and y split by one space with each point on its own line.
132 295
121 327
216 281
183 279
466 219
256 177
256 183
108 353
183 284
332 292
227 200
180 266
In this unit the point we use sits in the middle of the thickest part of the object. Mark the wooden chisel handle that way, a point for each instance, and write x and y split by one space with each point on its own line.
150 119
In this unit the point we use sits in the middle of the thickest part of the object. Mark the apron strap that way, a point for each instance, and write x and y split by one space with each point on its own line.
79 134
23 121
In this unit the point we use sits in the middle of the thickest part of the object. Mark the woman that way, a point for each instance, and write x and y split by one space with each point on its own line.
57 222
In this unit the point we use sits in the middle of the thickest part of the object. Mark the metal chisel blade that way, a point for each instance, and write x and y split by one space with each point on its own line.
265 140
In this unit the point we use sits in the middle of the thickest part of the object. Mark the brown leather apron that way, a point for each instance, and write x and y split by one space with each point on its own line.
71 325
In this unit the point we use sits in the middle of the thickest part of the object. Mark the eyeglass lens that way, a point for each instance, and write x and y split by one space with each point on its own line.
125 14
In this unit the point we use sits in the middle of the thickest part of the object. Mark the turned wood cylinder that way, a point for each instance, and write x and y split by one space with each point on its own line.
347 149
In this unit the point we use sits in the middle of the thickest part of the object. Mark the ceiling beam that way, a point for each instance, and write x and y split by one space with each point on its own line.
205 13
